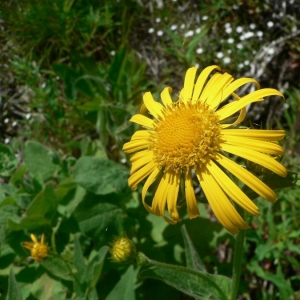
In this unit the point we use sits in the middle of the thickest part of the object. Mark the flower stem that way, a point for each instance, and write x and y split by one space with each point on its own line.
237 261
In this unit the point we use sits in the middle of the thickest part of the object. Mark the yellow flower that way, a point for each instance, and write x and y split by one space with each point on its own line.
38 250
190 137
122 250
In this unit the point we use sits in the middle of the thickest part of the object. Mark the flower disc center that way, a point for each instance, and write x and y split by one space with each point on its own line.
186 136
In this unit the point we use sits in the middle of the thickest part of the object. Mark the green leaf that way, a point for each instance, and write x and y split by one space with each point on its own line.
93 217
69 208
100 176
57 267
13 289
94 268
38 160
124 289
79 261
193 260
196 284
8 161
47 288
39 213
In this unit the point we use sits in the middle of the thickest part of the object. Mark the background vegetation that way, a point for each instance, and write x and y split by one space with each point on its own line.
72 73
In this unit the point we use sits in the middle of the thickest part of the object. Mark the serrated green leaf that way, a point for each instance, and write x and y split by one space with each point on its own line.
100 176
38 160
124 289
13 288
193 259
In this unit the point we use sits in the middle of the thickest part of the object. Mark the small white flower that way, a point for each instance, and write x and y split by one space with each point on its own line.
189 33
240 66
112 53
199 51
220 55
173 27
239 46
259 33
252 26
198 30
270 24
246 62
160 32
226 60
230 41
182 26
204 18
157 20
151 30
228 30
246 35
271 51
239 29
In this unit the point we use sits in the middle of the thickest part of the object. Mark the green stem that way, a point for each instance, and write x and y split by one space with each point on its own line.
237 259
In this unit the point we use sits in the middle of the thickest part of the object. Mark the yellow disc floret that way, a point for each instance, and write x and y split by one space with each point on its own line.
187 135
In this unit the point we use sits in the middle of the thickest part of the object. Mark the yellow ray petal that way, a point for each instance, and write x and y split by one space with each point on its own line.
231 189
207 183
165 96
261 146
154 107
140 135
257 157
235 106
138 155
257 134
201 81
172 195
246 177
141 162
210 86
192 207
160 197
189 82
142 120
221 203
135 145
34 239
216 95
139 175
152 177
237 84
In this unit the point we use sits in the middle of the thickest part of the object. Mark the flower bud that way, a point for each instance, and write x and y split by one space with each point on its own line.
122 250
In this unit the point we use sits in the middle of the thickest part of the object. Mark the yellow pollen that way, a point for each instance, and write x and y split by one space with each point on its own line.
186 136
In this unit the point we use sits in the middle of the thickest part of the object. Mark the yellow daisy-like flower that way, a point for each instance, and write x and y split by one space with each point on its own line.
190 136
38 250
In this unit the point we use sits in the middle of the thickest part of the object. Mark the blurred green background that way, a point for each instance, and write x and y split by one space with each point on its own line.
72 74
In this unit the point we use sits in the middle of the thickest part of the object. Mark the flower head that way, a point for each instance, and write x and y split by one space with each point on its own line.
191 138
38 250
122 250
